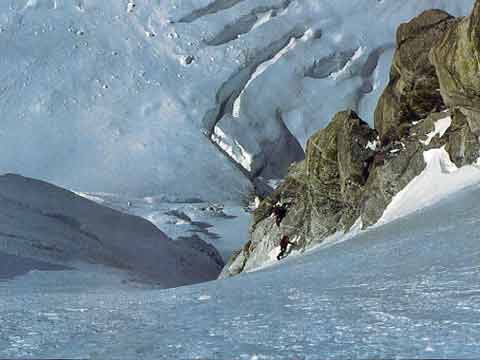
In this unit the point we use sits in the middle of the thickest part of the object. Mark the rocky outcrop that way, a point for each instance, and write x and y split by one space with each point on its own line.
323 192
412 92
457 63
463 144
351 172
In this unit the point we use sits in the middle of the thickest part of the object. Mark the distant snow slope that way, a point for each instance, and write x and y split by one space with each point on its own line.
408 289
225 226
107 96
47 228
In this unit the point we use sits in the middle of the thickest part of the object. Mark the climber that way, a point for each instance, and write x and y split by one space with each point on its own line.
279 211
379 158
283 246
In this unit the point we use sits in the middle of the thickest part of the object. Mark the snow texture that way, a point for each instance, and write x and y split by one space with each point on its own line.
98 95
440 178
407 289
224 226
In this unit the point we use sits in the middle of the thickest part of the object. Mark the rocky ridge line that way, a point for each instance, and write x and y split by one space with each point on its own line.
352 172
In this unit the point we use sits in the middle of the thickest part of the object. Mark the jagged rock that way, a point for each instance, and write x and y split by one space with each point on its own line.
386 181
340 182
341 179
457 62
337 165
323 192
412 92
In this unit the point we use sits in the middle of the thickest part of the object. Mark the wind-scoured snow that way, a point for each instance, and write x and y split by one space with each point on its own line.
407 289
345 71
260 70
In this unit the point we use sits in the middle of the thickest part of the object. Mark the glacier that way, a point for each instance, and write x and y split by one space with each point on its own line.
98 96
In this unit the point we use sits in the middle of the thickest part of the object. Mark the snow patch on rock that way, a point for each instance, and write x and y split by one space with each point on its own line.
440 178
441 126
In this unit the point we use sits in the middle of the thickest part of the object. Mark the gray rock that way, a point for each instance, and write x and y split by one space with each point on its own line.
413 90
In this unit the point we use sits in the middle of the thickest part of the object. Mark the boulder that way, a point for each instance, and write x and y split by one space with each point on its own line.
398 169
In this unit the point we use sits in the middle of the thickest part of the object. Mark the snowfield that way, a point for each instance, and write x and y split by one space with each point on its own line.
225 226
105 96
407 289
161 114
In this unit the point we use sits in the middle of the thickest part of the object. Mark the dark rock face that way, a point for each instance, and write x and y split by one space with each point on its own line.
352 172
412 92
463 145
457 62
322 193
337 167
387 180
343 179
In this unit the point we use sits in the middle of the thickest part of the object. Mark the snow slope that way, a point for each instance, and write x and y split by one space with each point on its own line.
407 289
440 178
44 227
107 96
225 226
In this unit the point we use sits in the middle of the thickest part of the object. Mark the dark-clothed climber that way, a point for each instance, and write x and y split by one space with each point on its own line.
279 211
283 246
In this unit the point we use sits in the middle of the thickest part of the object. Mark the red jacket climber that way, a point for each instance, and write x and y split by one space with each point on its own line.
284 242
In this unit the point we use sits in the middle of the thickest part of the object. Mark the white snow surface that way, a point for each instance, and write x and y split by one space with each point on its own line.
441 126
233 148
224 226
98 96
439 179
45 227
407 289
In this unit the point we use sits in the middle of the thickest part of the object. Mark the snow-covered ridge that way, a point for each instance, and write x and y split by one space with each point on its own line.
440 181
